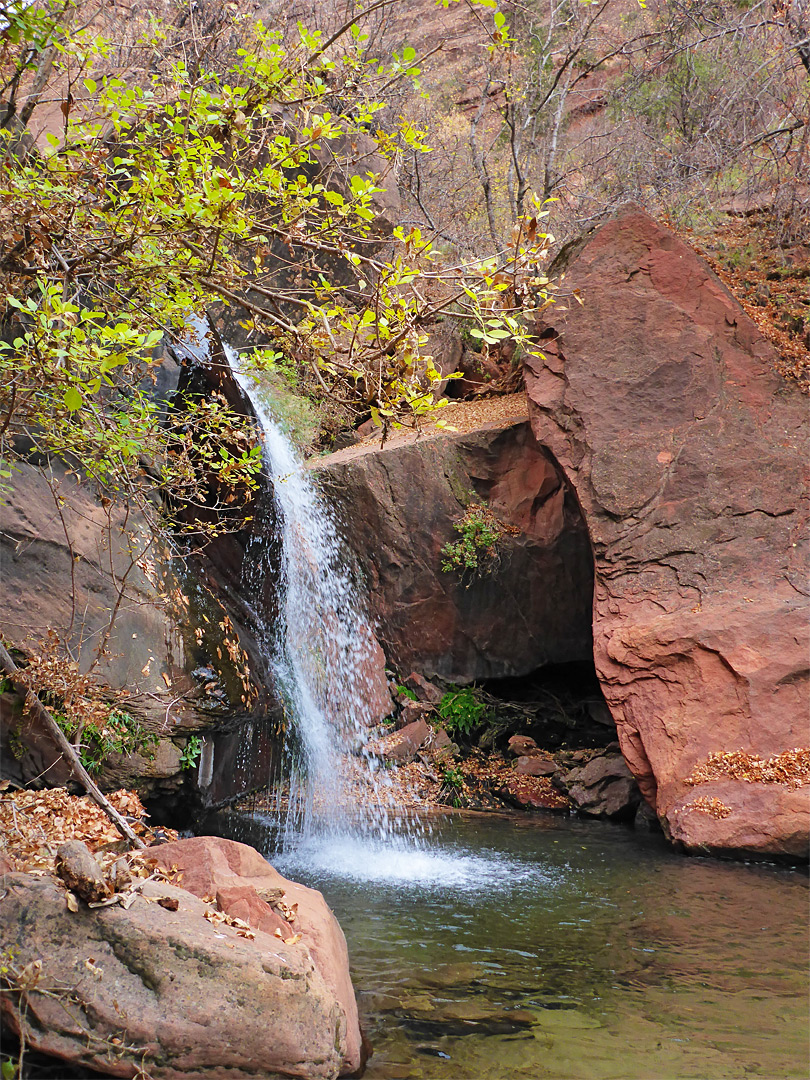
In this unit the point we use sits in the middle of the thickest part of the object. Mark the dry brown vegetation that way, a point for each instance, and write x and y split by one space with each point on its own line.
697 112
33 824
790 768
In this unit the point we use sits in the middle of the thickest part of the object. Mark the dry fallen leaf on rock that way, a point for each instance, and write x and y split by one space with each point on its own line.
790 768
29 976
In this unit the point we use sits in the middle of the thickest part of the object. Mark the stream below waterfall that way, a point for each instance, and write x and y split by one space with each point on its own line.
512 947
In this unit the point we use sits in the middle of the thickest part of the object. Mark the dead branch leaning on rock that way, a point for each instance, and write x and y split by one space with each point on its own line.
35 705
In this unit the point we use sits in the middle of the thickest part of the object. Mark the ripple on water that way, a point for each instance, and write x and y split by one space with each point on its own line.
565 950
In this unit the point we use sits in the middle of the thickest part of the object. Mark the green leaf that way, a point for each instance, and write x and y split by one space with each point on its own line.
73 399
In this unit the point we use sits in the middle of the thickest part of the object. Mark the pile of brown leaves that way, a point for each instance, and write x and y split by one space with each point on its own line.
791 768
34 823
713 807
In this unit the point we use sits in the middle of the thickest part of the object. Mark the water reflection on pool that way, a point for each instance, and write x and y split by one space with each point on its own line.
553 948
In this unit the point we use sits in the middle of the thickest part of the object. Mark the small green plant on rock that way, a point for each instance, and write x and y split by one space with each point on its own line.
119 733
453 779
477 547
461 711
190 754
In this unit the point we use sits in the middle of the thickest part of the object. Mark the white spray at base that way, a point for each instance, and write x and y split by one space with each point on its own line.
320 648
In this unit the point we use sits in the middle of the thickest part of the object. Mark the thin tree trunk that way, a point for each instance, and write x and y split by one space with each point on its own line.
70 755
38 85
480 163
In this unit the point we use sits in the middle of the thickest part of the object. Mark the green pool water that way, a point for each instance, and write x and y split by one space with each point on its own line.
557 948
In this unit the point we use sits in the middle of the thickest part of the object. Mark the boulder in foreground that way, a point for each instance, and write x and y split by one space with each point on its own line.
190 993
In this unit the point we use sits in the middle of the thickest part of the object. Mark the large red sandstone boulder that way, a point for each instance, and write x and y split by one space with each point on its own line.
211 866
687 451
181 995
400 503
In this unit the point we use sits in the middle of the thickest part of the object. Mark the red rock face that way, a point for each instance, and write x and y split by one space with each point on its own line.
187 998
659 401
399 503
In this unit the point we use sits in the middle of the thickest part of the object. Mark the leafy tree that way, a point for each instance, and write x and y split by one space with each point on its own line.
202 183
672 104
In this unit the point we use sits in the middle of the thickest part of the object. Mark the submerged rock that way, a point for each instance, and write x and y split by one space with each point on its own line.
174 987
659 400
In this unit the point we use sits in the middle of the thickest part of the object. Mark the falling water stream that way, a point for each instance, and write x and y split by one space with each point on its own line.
322 654
507 947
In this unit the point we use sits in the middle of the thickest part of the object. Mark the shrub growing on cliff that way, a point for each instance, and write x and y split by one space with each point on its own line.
94 725
462 712
476 550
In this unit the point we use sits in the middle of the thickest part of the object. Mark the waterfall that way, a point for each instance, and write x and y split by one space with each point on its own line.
320 646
